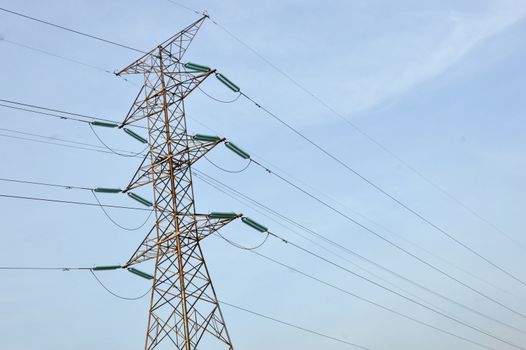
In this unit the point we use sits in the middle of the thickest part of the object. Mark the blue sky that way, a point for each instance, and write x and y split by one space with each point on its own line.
440 83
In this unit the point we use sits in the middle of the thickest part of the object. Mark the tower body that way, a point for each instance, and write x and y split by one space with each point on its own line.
184 311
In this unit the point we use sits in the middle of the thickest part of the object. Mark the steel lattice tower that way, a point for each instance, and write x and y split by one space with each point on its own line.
184 309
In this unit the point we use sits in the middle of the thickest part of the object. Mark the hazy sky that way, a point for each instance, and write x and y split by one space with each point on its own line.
439 83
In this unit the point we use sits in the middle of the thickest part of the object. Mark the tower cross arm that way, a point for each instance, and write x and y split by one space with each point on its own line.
203 226
194 151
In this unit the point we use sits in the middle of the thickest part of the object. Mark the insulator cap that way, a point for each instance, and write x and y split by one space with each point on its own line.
254 224
222 215
104 124
227 82
106 268
140 273
139 199
197 67
237 150
107 190
206 138
135 136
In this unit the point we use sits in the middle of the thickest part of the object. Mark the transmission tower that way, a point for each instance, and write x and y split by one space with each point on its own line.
184 310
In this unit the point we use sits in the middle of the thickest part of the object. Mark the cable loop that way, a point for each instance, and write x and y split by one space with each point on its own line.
218 100
227 170
141 153
115 294
115 222
243 247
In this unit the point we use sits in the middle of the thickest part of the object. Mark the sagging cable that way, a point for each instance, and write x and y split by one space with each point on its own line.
238 151
217 99
243 247
129 132
115 294
116 190
227 170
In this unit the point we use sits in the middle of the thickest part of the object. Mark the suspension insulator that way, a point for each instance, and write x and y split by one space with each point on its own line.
206 138
135 135
107 190
227 82
139 199
237 150
106 268
104 124
222 215
254 224
140 273
197 67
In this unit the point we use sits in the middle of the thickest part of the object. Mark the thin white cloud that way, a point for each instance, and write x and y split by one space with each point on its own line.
401 60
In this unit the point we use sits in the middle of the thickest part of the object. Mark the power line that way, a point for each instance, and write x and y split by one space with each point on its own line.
332 242
115 151
113 221
399 202
384 228
360 130
392 243
40 107
295 82
238 246
91 118
71 30
71 202
43 113
218 100
390 196
115 294
127 151
91 147
323 150
237 171
291 325
68 187
32 48
56 144
253 101
54 138
361 257
65 115
347 292
388 241
381 190
346 249
32 268
67 59
53 185
185 7
368 280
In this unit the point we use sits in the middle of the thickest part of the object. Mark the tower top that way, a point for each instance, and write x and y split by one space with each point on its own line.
173 48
